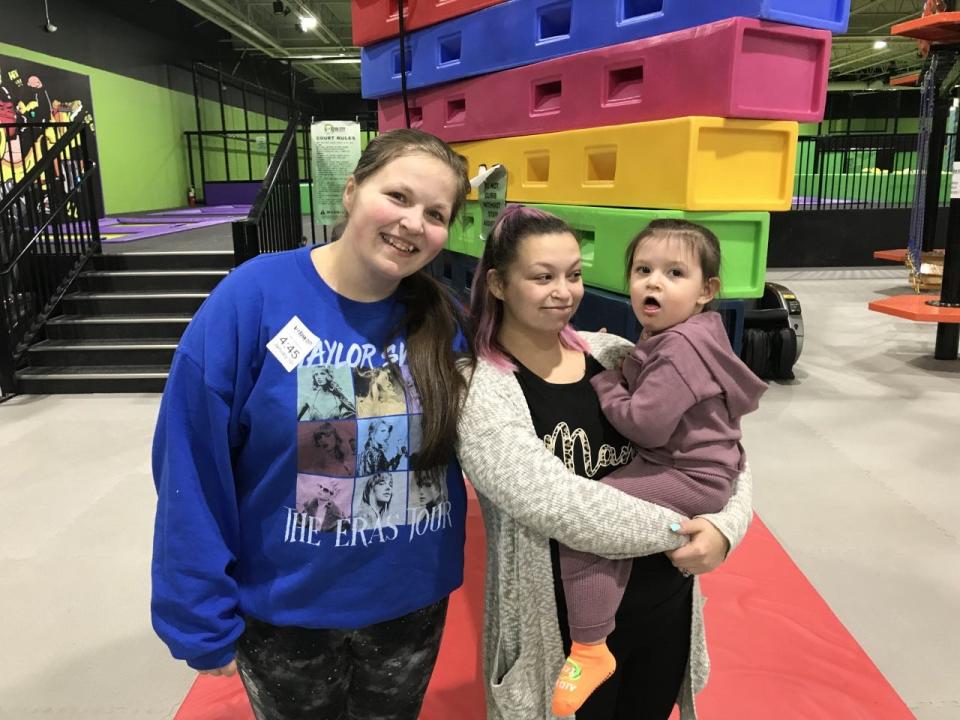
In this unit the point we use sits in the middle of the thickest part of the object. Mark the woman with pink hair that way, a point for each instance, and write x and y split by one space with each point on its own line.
533 440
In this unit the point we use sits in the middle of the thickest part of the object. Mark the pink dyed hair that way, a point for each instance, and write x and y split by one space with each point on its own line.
512 225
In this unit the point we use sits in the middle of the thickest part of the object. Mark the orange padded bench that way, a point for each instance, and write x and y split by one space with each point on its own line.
898 256
941 27
915 307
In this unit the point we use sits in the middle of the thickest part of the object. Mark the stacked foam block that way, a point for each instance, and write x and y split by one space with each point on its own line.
610 113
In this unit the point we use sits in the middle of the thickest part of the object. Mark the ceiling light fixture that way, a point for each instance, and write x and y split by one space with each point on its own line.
340 57
307 23
49 27
880 45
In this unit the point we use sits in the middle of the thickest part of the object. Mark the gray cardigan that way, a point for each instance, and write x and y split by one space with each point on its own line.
527 496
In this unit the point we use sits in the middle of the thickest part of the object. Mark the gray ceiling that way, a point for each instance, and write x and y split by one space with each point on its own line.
255 28
854 57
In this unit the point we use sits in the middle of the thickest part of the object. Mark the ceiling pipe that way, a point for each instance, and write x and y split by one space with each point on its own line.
325 61
347 51
864 8
870 38
903 18
854 57
841 85
878 61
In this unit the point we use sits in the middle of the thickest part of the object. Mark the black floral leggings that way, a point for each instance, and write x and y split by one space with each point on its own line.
378 672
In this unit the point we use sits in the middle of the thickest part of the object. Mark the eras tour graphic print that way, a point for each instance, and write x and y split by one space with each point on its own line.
358 433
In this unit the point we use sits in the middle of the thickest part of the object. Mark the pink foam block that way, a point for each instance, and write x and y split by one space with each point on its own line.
735 68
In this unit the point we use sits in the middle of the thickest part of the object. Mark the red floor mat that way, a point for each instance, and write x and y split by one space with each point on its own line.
778 651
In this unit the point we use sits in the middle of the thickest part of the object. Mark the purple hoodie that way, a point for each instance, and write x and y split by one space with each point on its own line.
680 398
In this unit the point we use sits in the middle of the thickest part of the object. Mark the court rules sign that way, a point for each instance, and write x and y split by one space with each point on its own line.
335 149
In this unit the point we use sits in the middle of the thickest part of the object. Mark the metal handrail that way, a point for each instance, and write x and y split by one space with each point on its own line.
66 201
283 151
64 141
274 223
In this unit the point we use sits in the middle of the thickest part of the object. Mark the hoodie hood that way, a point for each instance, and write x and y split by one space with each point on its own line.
708 339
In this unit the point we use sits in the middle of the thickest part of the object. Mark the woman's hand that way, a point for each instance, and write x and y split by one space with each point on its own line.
705 551
227 670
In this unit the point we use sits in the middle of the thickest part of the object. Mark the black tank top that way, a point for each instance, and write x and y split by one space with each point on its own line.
568 418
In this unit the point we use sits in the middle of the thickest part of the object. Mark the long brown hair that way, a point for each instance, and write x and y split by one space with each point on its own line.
433 321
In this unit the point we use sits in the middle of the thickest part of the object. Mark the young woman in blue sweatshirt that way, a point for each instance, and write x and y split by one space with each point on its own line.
267 559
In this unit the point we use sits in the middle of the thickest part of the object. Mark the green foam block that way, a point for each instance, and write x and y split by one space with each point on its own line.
605 232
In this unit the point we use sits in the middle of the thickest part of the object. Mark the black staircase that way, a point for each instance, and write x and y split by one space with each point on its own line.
48 231
74 320
121 322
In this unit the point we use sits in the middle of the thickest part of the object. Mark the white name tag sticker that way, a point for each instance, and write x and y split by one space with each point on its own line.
290 345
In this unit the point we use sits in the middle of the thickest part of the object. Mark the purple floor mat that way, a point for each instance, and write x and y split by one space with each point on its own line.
212 210
169 221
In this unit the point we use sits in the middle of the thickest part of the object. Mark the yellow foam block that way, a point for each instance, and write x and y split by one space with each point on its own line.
687 163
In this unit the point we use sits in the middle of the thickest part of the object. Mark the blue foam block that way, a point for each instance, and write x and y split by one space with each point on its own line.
600 309
455 270
732 312
521 32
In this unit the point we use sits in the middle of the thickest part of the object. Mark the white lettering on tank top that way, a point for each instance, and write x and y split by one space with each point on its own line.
608 456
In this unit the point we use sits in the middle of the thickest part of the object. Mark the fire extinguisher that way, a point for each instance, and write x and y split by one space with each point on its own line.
191 196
